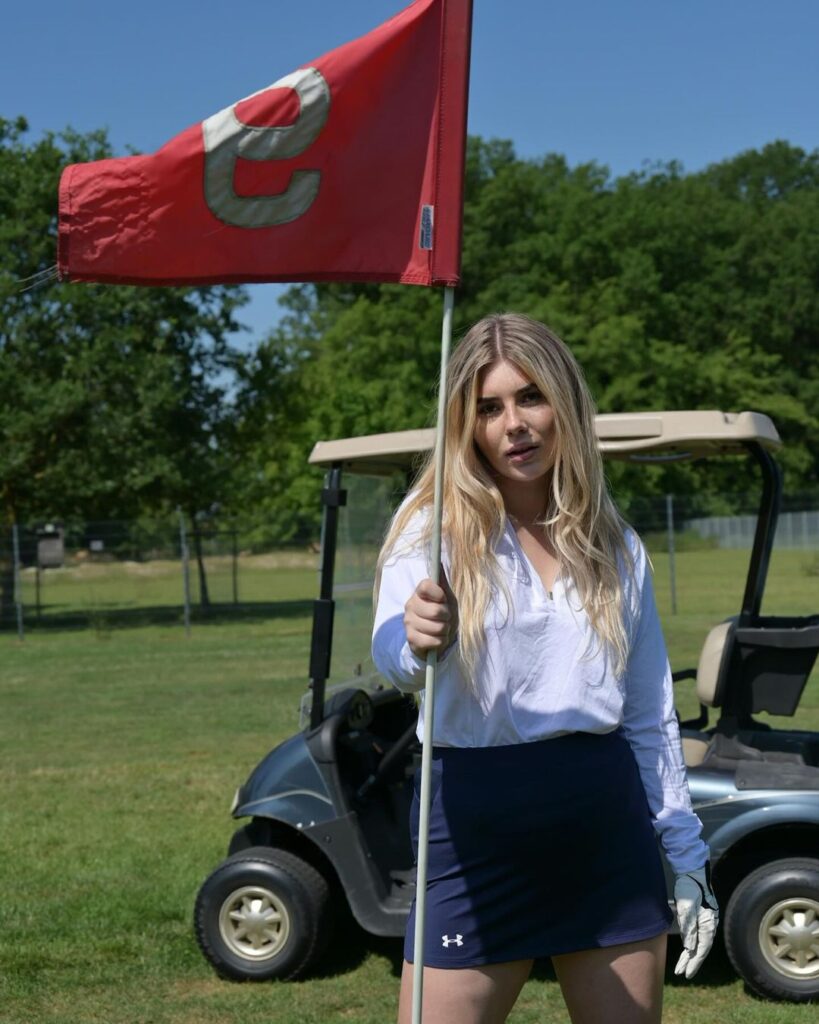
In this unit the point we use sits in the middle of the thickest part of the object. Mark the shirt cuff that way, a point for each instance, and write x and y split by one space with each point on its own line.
691 861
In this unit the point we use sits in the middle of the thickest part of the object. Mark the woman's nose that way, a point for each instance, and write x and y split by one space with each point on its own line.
513 421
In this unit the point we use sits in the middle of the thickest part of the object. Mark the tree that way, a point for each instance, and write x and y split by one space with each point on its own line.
674 291
112 398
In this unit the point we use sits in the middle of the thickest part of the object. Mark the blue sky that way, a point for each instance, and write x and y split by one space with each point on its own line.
618 81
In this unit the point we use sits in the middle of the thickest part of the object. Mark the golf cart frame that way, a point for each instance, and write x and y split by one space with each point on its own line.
329 806
632 437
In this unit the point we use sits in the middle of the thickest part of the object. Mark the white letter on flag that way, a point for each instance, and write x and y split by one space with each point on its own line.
227 138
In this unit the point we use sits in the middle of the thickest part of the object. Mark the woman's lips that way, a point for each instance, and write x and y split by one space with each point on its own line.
521 454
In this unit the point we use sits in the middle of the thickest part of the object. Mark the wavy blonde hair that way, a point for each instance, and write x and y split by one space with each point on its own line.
581 521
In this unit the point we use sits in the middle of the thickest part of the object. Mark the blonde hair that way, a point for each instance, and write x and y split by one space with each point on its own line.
581 521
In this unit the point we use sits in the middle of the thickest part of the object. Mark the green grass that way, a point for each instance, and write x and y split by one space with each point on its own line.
119 753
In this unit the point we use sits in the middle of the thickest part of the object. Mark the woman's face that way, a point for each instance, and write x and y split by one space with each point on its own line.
514 429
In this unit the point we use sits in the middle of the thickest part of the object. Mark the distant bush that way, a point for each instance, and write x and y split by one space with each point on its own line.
811 568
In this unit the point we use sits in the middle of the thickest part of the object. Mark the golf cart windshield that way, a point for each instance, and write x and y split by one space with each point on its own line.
361 525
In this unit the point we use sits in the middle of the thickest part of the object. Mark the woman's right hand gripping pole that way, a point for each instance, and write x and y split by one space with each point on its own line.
431 618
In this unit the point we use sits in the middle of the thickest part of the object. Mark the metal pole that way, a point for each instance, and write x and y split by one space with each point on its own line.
18 604
669 515
186 571
429 688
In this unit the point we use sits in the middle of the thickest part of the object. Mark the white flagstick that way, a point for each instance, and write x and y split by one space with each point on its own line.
429 686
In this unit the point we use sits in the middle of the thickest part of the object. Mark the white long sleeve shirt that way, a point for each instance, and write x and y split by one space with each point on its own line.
542 674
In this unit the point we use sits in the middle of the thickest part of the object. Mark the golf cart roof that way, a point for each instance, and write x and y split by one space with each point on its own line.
630 436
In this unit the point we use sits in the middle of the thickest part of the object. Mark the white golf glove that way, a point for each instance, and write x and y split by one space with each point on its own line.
698 917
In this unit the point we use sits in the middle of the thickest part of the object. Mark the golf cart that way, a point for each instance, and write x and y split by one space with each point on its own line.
328 809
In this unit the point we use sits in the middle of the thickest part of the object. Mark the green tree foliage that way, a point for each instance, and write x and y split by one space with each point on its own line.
674 290
111 398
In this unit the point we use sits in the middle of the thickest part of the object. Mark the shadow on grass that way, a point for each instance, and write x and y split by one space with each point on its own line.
715 972
351 946
106 619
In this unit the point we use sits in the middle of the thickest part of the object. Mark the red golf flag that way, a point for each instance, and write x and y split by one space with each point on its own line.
349 169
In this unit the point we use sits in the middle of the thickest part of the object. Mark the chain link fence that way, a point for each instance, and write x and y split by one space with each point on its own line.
694 538
115 574
721 521
175 571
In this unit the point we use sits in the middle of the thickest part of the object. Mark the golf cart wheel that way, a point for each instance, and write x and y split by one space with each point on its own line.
772 930
263 913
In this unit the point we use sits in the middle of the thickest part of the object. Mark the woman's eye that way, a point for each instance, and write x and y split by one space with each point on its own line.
532 398
488 409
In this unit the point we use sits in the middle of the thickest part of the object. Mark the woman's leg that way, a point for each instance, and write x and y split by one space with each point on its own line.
615 985
468 995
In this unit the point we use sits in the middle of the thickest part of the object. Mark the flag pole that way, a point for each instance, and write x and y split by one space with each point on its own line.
429 685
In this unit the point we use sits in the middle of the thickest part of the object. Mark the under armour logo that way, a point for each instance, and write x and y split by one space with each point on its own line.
447 942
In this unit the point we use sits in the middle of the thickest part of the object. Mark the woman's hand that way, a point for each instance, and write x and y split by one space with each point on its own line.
698 917
431 617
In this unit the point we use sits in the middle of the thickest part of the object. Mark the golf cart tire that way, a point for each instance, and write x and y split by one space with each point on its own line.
777 898
263 913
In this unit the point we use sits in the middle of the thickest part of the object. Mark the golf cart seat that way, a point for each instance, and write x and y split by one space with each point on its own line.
711 674
744 670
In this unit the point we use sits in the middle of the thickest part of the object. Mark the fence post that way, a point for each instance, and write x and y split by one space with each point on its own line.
235 567
186 574
669 515
18 604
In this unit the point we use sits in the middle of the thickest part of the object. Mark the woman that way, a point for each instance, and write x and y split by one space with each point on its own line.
557 758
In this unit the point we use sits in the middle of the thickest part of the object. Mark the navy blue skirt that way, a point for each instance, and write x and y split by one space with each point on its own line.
537 849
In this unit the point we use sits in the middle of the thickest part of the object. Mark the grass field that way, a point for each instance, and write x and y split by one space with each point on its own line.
121 593
120 750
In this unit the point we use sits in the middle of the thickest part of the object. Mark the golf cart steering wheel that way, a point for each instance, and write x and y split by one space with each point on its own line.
396 751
